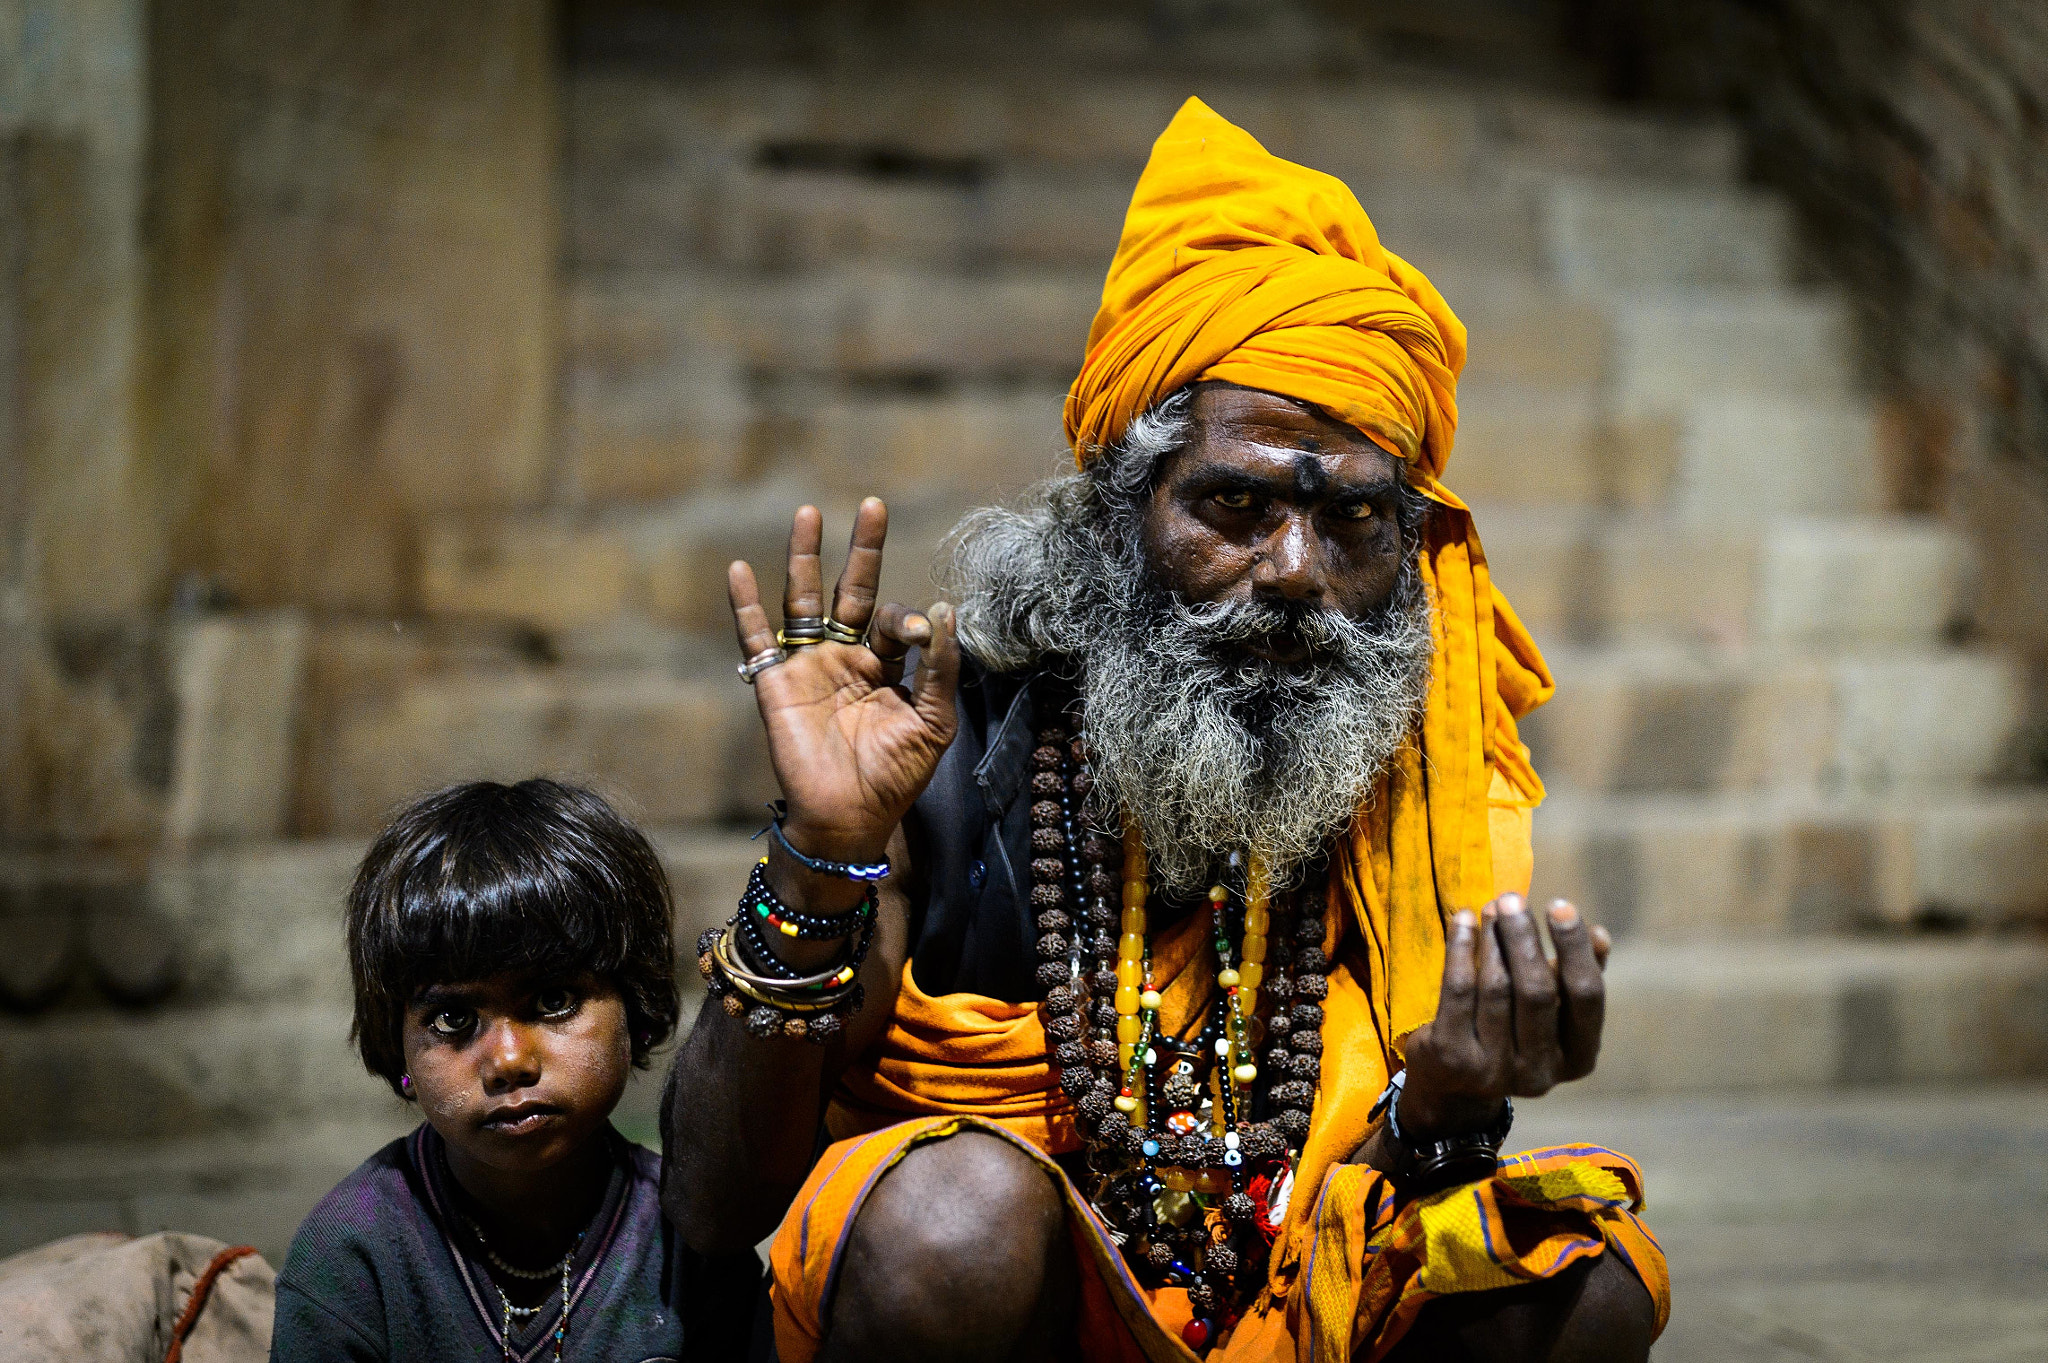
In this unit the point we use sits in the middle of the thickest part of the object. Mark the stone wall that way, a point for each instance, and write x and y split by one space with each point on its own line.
277 285
1913 135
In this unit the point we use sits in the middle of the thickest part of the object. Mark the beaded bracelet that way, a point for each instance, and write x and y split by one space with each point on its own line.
817 1014
844 870
740 969
762 954
759 901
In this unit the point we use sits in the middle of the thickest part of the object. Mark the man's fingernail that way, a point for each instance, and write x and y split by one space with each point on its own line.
1466 920
1563 914
916 622
1512 903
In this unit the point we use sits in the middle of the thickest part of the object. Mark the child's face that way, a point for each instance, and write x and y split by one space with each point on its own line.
517 1073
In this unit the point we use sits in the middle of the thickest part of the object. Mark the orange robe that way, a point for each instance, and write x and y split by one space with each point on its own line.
1240 267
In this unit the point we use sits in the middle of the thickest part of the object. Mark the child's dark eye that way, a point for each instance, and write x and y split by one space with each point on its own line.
451 1022
556 1003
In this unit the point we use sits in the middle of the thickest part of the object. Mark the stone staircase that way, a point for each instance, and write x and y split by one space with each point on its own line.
1773 757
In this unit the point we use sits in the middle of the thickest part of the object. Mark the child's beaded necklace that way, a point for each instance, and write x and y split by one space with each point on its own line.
525 1313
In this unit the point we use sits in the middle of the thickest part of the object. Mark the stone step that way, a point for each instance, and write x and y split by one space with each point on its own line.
1552 444
1815 1012
642 330
1815 581
246 924
1612 237
1800 1012
1675 866
642 150
1661 718
1674 347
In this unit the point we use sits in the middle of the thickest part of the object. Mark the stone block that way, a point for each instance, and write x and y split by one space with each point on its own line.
177 1073
980 442
655 396
1519 333
1645 717
1673 866
1979 859
1532 445
547 572
1445 225
1814 1013
654 743
1877 579
1738 452
1572 137
707 869
1672 349
1615 237
804 219
1648 718
1010 324
1906 720
237 682
1032 215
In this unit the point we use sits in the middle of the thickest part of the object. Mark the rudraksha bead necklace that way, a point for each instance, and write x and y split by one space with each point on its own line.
1191 1138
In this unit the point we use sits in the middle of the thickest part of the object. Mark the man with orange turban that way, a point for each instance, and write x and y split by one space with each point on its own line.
1164 932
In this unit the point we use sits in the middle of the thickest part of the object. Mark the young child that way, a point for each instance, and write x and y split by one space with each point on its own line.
512 958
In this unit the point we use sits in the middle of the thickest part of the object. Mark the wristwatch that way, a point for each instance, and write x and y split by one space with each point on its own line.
1446 1161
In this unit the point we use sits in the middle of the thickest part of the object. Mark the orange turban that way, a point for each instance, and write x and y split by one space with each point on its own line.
1238 266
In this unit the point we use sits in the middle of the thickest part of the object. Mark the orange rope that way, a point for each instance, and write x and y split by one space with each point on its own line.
201 1290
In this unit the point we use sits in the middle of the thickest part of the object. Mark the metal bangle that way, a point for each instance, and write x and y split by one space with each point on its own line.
727 957
772 995
844 634
761 662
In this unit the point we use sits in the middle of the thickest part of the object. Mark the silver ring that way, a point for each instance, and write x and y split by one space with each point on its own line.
760 662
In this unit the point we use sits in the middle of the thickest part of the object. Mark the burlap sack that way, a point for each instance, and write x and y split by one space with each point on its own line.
106 1298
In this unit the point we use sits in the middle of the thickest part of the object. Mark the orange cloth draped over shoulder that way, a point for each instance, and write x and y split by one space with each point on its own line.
1238 266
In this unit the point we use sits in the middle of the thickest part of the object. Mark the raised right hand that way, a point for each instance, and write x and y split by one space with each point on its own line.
851 748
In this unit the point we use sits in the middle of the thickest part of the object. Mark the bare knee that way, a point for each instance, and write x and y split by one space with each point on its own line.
1596 1311
960 1251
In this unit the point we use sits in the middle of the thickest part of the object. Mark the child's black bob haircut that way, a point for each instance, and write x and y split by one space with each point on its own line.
480 879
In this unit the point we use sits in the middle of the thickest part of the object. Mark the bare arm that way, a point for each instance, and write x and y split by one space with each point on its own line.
852 750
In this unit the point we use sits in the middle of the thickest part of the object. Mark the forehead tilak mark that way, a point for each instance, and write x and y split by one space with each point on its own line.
1310 478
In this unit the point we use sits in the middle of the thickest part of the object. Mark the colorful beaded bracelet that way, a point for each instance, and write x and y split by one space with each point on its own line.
760 905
